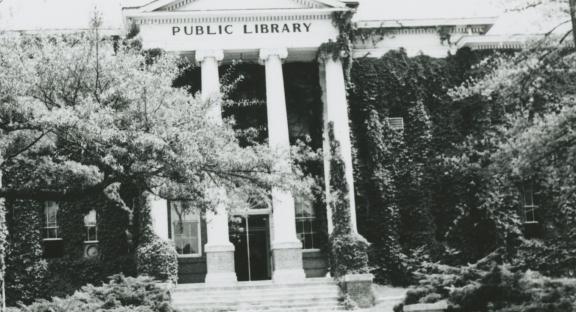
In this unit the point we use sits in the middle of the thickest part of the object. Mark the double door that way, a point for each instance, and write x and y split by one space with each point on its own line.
250 235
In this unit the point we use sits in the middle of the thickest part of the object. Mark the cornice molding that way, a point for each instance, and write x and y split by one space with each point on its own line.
456 29
187 18
165 5
432 22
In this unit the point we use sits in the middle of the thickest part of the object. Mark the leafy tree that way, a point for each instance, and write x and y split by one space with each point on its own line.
564 8
533 144
82 115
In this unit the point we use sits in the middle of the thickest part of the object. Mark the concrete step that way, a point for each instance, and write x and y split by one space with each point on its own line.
257 300
263 309
311 309
309 282
267 292
389 299
268 302
253 299
278 308
319 294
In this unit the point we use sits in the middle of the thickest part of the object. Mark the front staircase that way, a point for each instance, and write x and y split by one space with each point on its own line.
313 294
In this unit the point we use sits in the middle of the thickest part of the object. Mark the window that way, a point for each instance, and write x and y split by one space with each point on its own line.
51 230
52 241
530 211
396 123
306 223
185 228
529 207
90 226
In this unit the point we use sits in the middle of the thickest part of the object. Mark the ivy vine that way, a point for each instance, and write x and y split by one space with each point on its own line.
342 47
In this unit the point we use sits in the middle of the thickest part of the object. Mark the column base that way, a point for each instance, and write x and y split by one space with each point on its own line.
359 288
288 267
220 264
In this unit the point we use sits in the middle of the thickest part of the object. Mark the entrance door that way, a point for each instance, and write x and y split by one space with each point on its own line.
251 240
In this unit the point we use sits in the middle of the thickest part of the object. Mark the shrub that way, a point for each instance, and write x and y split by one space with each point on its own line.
158 259
554 257
121 294
349 254
68 274
475 288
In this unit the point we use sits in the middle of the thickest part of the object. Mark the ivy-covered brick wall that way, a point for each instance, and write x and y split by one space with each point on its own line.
407 199
31 275
26 269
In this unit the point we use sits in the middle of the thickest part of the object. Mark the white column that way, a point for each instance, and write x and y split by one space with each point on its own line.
286 247
209 60
219 250
336 111
159 212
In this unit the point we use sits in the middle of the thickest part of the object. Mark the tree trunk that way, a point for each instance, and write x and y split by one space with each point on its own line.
573 18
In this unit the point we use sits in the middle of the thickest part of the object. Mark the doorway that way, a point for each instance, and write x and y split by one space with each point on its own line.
250 236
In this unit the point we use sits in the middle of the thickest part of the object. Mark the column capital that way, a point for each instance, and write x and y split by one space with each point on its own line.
324 56
265 54
201 55
332 50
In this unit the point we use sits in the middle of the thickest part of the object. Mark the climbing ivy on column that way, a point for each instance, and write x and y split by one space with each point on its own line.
349 250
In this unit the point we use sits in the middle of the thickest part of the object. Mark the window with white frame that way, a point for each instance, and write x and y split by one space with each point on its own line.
51 229
306 223
530 207
91 227
396 123
185 228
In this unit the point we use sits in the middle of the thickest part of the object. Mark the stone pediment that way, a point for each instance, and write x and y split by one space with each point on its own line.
227 5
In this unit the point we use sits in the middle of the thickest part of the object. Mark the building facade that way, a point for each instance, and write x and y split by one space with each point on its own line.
278 241
274 242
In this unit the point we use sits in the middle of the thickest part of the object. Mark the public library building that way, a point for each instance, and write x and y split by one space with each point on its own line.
279 241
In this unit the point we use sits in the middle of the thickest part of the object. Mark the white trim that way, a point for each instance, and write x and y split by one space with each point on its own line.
91 242
190 256
311 250
155 5
51 239
495 42
173 4
252 212
431 22
240 15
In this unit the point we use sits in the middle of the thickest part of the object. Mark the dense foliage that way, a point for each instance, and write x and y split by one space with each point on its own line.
35 274
158 259
408 196
26 269
496 288
121 294
89 117
485 162
476 138
349 250
87 122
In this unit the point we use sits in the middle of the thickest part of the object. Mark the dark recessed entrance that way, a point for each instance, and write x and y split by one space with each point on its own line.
250 236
